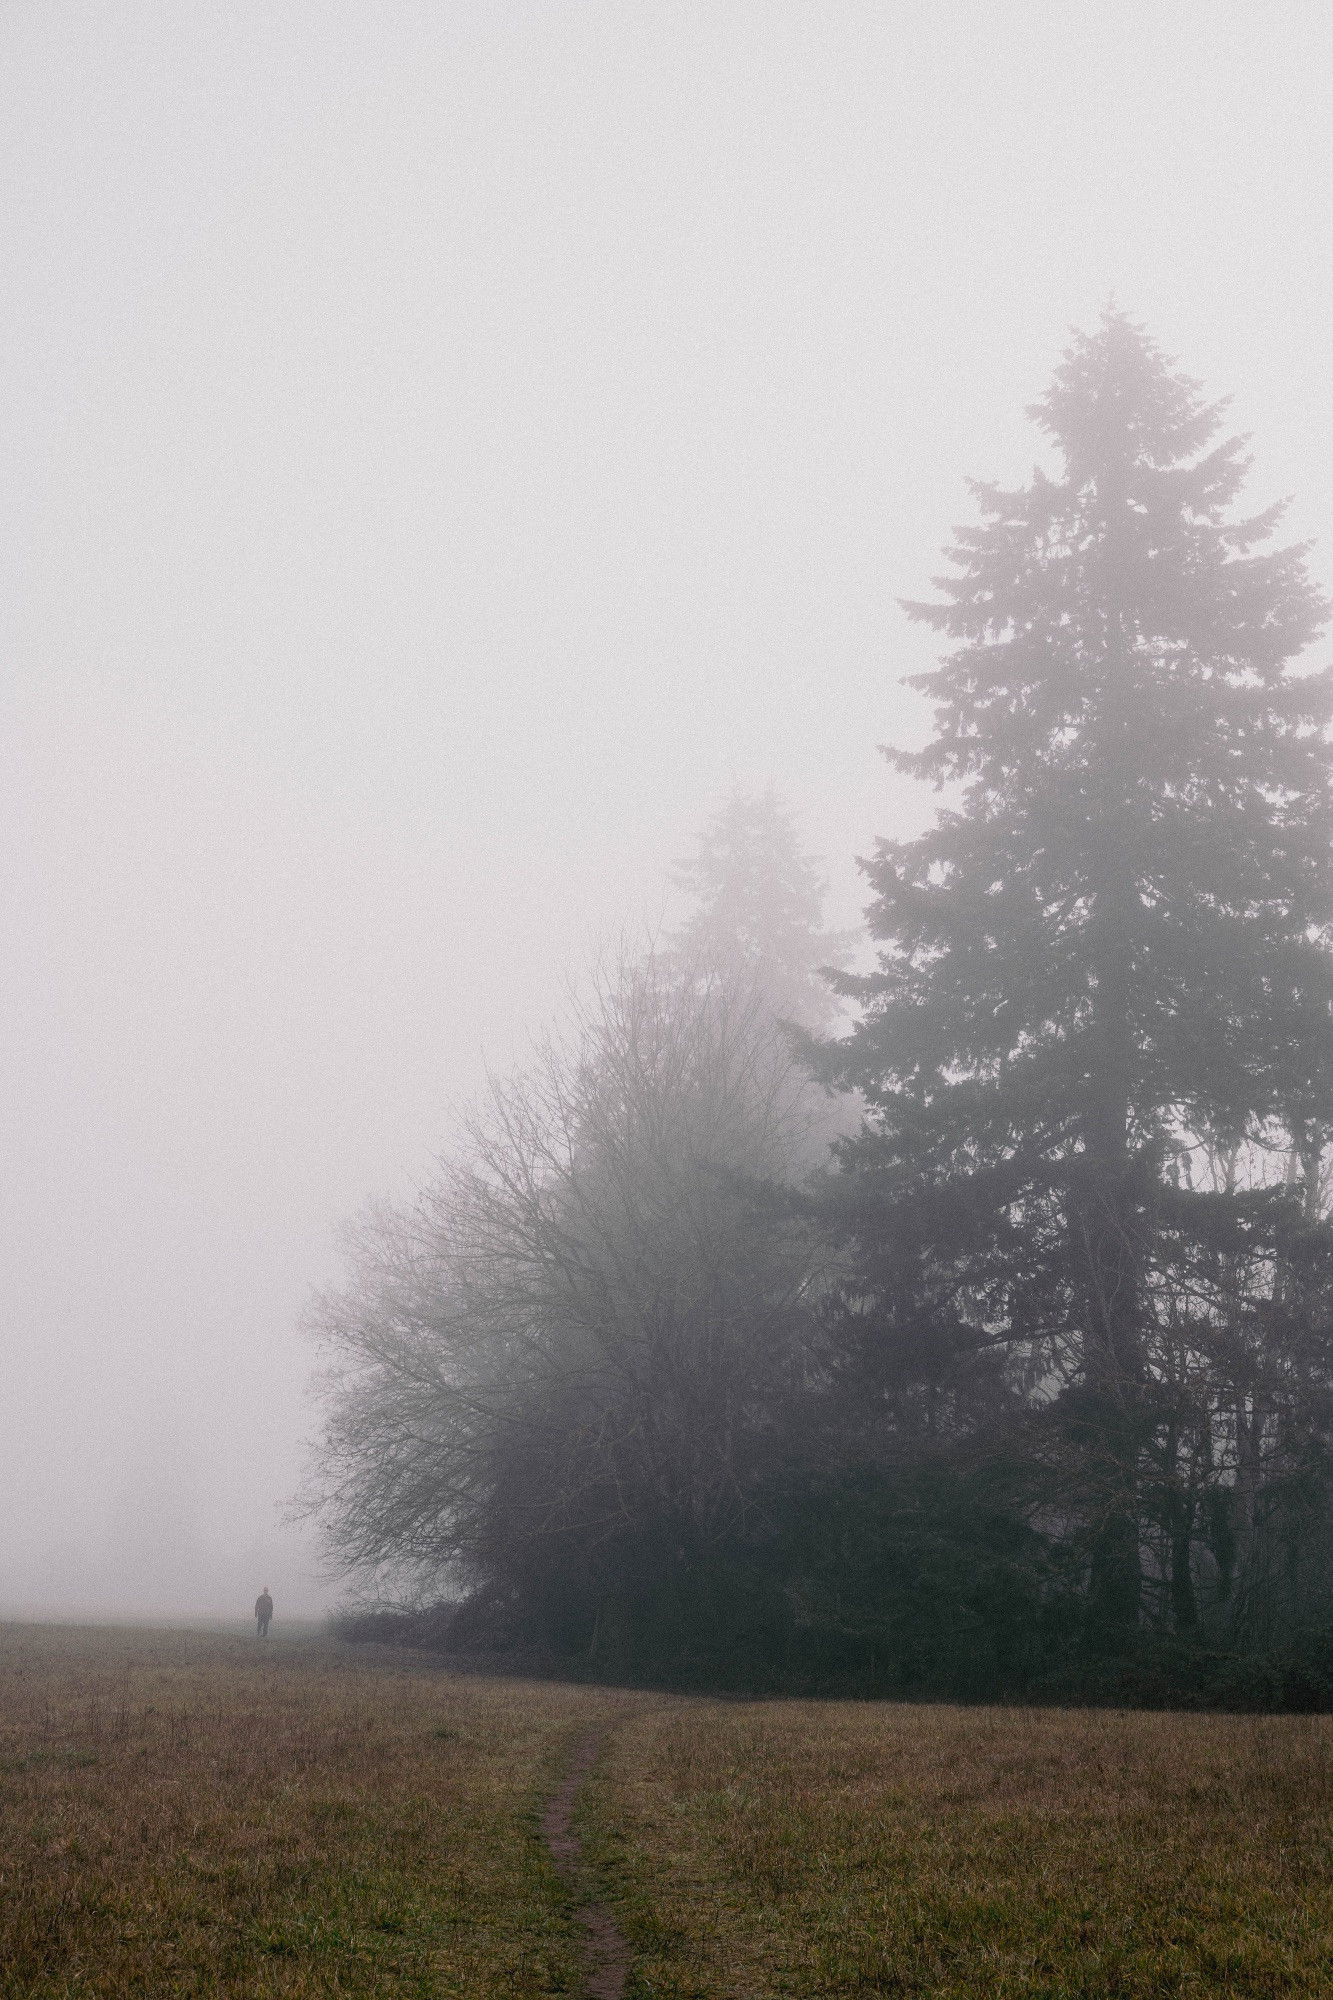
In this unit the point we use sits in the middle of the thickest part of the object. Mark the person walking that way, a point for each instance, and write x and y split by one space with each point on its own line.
263 1611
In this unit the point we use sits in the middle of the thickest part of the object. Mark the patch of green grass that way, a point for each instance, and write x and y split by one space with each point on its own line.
36 1760
822 1849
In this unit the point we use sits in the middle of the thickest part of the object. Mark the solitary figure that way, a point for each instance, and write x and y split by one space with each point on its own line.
263 1611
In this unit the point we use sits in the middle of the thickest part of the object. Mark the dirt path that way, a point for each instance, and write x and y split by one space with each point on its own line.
606 1954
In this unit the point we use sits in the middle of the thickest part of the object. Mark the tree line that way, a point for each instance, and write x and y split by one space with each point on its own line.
961 1325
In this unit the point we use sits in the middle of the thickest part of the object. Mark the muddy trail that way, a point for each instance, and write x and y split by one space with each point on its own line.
606 1954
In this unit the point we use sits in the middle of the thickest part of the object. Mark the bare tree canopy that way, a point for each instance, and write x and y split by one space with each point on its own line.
555 1368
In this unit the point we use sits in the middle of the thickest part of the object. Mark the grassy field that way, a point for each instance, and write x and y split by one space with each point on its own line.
840 1849
183 1813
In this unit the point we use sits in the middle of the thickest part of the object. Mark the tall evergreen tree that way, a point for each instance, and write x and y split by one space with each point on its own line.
1111 948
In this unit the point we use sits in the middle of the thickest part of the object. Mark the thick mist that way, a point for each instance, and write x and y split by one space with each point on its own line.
447 447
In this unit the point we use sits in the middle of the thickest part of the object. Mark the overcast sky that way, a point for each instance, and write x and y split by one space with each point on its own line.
445 447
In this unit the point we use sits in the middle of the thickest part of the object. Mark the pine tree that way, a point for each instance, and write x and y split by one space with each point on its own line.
1112 947
757 908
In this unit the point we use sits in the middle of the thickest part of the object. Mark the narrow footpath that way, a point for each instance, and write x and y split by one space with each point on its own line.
606 1955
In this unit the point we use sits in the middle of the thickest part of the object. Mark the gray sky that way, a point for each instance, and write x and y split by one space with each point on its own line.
444 446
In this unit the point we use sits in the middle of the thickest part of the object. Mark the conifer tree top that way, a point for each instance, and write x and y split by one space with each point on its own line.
1123 917
757 906
1121 570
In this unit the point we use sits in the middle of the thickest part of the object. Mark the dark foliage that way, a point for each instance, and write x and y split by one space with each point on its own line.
1102 1014
1032 1393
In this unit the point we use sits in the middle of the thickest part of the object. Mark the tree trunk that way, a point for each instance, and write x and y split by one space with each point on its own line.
1114 1358
1184 1604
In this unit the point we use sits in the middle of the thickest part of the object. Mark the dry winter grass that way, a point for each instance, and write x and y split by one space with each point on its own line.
182 1813
818 1849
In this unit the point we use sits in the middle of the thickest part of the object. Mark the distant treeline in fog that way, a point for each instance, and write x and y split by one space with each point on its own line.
964 1325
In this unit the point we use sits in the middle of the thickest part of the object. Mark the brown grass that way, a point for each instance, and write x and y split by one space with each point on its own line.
184 1813
813 1849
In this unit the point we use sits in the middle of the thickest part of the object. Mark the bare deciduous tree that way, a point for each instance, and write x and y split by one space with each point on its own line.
551 1376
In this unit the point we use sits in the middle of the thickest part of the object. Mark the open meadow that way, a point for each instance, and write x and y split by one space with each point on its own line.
193 1813
829 1848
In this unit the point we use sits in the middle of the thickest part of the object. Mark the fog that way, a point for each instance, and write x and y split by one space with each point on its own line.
446 448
